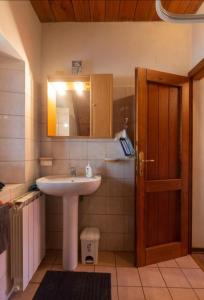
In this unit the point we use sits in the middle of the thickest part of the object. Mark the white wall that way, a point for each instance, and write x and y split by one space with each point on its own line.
198 138
198 165
21 28
198 40
117 47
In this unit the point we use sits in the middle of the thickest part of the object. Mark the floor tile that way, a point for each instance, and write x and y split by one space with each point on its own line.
128 277
200 293
168 264
111 270
125 259
156 293
57 268
183 294
40 273
151 277
130 293
27 294
196 277
174 278
106 258
186 262
114 293
84 268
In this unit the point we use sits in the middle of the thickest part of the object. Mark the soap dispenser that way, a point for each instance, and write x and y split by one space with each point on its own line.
89 172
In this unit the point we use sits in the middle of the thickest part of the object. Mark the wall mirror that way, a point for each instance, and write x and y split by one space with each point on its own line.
80 106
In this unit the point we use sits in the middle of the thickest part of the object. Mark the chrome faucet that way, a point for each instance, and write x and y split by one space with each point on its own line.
73 172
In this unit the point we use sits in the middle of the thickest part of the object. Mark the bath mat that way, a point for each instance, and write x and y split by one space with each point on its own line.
58 285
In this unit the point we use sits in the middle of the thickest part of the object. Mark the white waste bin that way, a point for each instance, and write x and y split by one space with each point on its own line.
89 245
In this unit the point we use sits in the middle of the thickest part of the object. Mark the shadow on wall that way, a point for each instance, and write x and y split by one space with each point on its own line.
123 116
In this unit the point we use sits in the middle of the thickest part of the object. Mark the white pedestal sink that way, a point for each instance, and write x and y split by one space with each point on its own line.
69 188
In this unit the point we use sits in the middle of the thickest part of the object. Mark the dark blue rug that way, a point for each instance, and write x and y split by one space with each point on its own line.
57 285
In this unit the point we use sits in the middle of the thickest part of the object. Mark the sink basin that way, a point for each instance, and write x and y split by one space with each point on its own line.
69 188
62 185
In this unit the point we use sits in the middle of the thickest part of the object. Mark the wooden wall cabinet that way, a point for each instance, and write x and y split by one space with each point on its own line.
90 117
101 105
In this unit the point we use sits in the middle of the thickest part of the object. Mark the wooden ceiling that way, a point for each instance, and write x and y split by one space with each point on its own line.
107 10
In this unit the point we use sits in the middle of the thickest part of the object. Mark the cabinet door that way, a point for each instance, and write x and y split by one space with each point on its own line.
101 105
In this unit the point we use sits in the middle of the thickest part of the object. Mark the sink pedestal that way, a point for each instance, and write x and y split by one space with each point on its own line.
70 232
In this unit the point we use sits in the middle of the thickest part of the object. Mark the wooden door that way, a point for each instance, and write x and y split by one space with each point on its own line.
101 105
162 138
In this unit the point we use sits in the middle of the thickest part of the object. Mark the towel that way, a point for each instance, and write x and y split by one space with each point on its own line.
4 227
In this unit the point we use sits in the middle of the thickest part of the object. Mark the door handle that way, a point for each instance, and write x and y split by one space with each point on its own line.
148 160
142 161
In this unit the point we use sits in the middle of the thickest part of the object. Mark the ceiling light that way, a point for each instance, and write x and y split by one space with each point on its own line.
79 87
60 87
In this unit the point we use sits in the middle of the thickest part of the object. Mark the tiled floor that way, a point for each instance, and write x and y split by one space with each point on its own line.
179 279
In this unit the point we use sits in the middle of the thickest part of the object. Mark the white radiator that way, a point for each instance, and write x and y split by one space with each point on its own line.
27 238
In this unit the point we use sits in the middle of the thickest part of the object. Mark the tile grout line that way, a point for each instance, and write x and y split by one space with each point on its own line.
190 282
141 284
168 289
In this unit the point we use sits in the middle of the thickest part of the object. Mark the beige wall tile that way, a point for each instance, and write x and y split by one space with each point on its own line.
111 242
60 150
12 126
129 242
94 205
12 103
12 149
77 150
114 149
12 80
46 149
115 205
60 167
96 150
12 172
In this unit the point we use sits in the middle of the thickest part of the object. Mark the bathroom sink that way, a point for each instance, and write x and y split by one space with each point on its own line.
62 185
69 188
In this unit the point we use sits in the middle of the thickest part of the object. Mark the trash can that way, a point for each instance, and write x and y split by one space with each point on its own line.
89 245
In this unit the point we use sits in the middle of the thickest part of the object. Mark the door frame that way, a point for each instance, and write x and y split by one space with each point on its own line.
196 73
145 75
